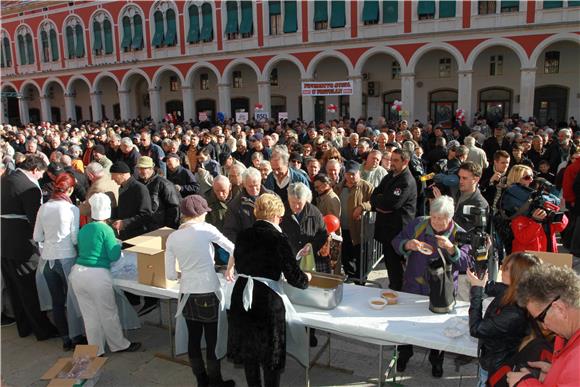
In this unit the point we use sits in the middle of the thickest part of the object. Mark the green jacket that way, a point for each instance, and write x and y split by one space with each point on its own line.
97 246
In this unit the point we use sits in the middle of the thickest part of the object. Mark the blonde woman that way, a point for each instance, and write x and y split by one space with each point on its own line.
258 311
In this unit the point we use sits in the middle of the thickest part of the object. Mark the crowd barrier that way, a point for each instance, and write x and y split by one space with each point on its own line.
371 251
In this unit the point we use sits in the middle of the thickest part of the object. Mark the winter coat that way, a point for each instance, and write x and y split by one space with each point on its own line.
185 179
529 235
358 196
134 209
259 334
570 174
295 177
164 202
500 331
307 227
240 214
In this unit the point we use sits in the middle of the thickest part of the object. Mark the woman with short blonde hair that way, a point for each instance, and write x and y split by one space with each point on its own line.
268 206
518 173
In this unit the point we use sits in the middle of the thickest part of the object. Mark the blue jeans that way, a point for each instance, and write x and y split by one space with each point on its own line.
56 279
482 375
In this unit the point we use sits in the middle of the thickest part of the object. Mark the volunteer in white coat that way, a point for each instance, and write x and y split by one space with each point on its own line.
200 295
92 281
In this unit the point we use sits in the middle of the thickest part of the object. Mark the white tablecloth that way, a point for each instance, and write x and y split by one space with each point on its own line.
408 322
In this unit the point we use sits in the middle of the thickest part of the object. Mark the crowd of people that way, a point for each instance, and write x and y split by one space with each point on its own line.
254 195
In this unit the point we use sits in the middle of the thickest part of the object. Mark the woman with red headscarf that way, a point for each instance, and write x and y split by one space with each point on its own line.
56 230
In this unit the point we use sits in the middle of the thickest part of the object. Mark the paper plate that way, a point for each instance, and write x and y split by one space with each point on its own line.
425 248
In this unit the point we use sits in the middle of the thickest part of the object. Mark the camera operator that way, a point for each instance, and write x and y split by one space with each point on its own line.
534 215
494 178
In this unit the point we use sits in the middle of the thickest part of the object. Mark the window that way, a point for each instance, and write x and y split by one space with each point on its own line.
274 77
495 103
171 35
173 85
231 29
75 38
338 14
237 75
207 26
390 11
5 54
486 7
444 67
552 62
103 34
370 14
193 33
426 10
204 81
29 48
442 105
159 29
247 23
447 8
132 28
320 15
53 44
45 49
127 35
80 41
396 70
510 6
275 10
496 65
137 42
25 46
290 17
553 4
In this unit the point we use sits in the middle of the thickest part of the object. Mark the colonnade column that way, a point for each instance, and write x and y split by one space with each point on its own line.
307 104
265 97
408 94
188 103
155 104
224 99
125 105
69 107
96 105
23 110
5 117
356 99
45 108
465 94
527 89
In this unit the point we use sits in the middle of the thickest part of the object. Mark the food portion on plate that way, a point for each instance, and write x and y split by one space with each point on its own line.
377 303
425 248
390 296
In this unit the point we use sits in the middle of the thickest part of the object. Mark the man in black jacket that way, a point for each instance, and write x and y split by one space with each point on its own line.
164 196
183 179
395 201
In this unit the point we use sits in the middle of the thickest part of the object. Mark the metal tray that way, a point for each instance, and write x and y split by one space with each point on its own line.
323 292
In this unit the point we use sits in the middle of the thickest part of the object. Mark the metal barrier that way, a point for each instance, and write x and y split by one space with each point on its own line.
371 251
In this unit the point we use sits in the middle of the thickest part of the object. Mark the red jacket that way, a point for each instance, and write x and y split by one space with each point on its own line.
529 235
565 370
568 181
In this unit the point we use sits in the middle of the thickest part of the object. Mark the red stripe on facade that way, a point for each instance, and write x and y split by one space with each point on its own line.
353 19
304 22
150 71
466 13
119 74
529 42
531 14
407 50
260 17
220 64
91 77
18 84
63 78
88 44
465 46
184 68
261 60
14 57
407 16
306 57
218 10
354 54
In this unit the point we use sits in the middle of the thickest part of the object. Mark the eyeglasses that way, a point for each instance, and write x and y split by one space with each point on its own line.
542 316
528 178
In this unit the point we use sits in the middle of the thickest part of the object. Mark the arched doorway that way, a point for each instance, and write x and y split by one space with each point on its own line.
170 94
550 104
285 89
240 104
175 106
10 108
244 89
55 95
82 93
139 103
495 103
442 106
381 72
388 100
331 69
110 97
207 106
204 84
31 104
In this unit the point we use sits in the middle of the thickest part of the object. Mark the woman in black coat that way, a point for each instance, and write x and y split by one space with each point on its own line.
257 336
504 325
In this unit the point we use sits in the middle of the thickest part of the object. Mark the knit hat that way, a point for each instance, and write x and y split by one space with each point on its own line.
120 167
100 206
145 162
194 206
99 149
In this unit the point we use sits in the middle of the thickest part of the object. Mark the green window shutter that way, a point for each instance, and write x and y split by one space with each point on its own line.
29 49
2 62
247 23
509 4
70 42
44 40
290 16
232 12
21 50
447 8
207 20
426 8
390 11
97 39
338 14
275 8
370 11
126 42
171 36
53 44
7 51
193 34
108 32
80 37
320 11
573 3
158 35
137 42
553 4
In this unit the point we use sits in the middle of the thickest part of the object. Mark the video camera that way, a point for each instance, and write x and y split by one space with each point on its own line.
543 199
476 237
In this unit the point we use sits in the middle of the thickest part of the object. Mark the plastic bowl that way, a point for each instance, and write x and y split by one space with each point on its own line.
377 303
391 297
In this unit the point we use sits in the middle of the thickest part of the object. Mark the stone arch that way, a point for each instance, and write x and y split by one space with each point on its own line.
380 50
417 55
508 43
562 37
161 70
227 75
33 83
133 72
9 84
102 75
199 65
74 78
265 76
51 80
328 54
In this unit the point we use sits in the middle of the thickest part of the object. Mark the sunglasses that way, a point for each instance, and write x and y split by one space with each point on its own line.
542 316
528 177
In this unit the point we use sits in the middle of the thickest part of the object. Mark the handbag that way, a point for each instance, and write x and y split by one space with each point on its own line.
441 286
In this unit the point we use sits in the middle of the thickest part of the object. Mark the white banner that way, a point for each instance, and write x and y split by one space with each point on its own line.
242 117
258 116
282 116
327 88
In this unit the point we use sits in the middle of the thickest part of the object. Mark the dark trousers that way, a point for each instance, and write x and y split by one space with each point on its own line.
195 329
350 256
57 286
253 377
21 288
435 356
394 264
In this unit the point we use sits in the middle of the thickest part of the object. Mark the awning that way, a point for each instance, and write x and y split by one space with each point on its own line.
247 24
53 44
107 31
97 39
137 42
370 11
207 19
171 35
232 17
290 16
157 40
338 14
320 11
193 33
447 8
80 39
390 11
426 8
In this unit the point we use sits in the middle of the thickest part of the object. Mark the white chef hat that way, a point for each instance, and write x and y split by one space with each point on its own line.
100 206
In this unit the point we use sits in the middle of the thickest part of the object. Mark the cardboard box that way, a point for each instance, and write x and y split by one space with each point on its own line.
87 378
558 259
150 250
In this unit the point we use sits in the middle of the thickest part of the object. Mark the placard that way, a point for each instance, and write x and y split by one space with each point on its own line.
242 117
327 88
259 116
282 116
